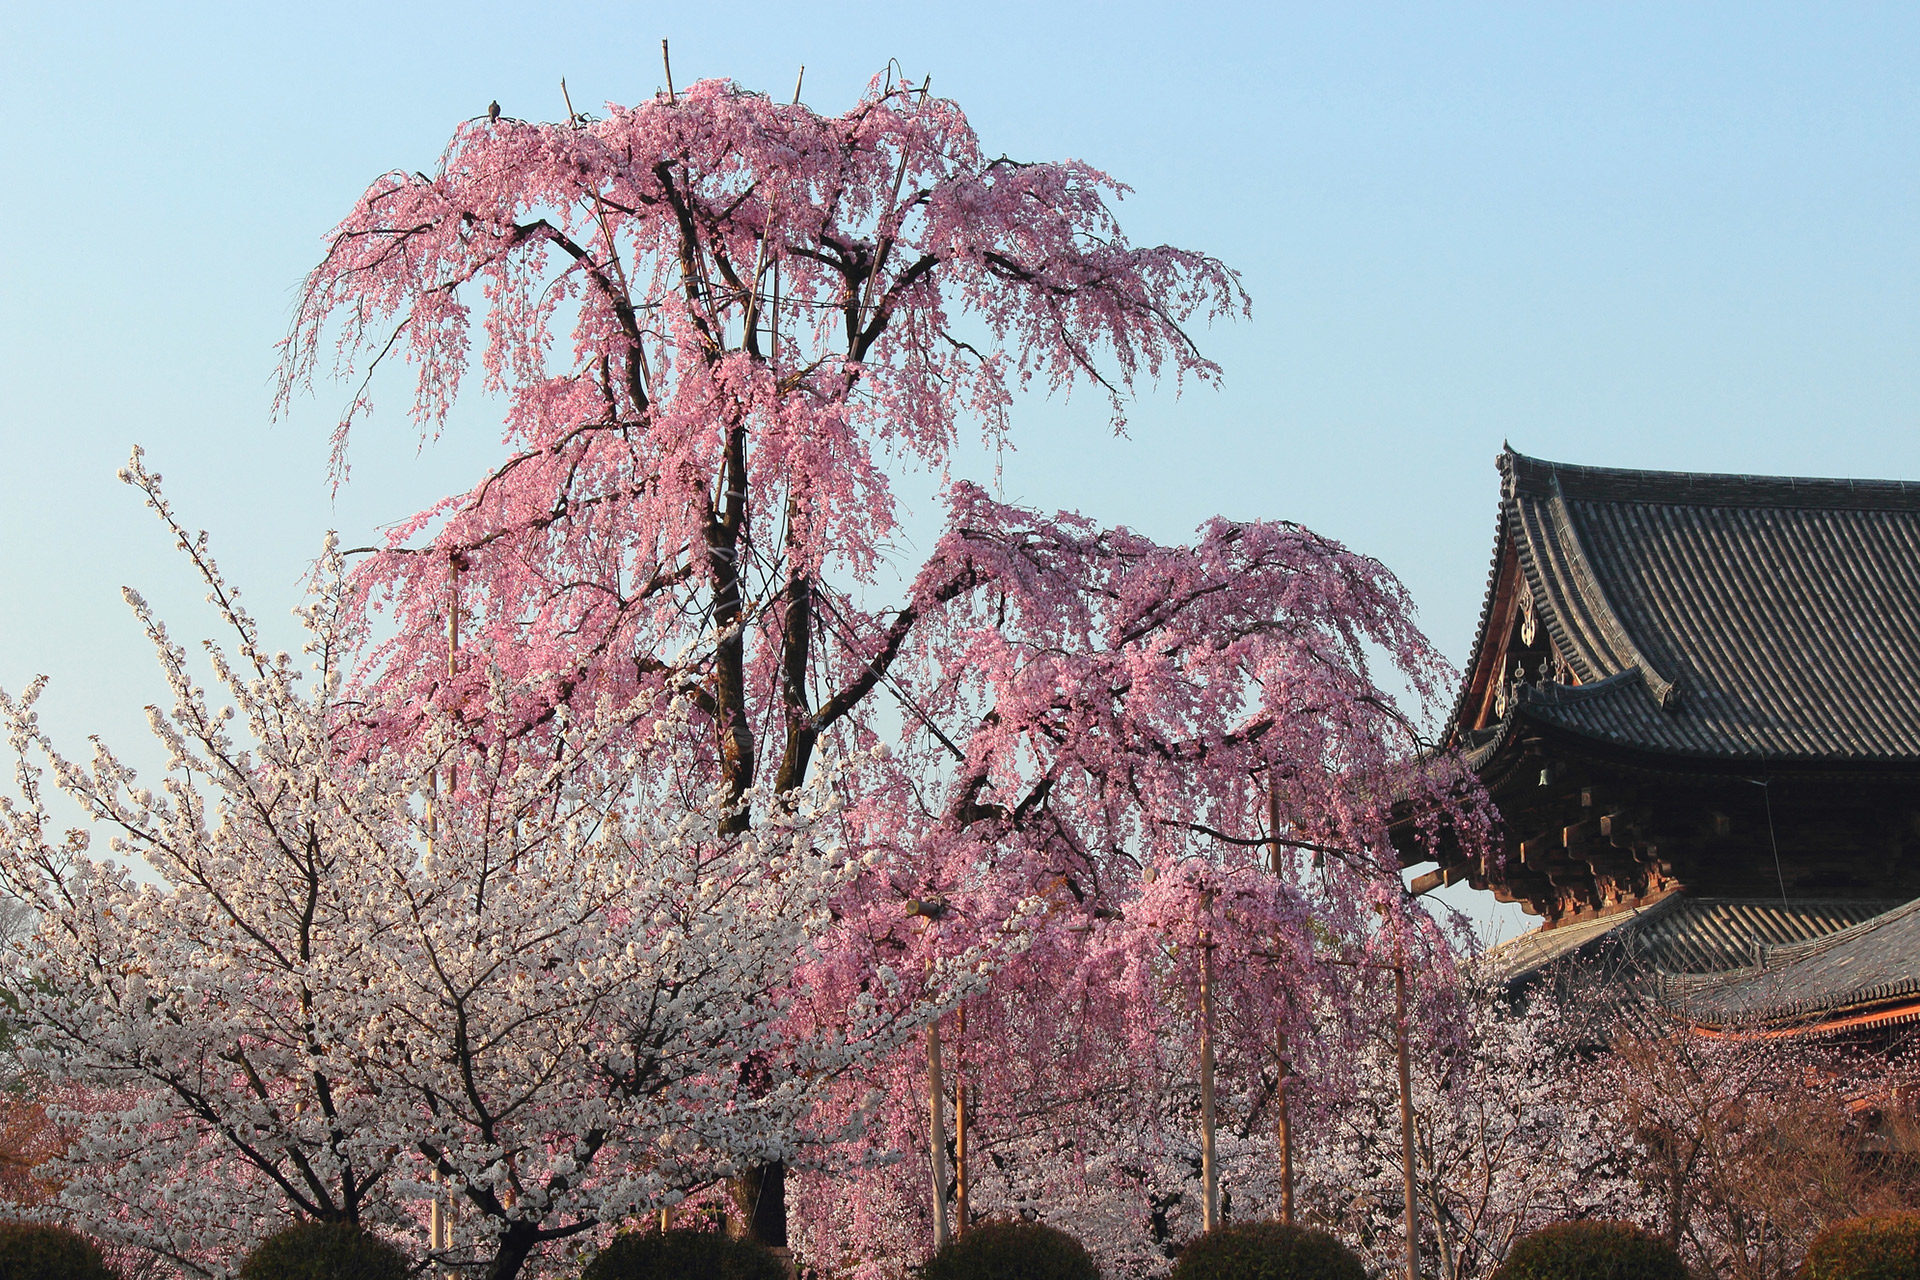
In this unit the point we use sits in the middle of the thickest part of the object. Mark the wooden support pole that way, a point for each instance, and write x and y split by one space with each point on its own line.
439 1228
1406 1116
1283 1128
1283 1116
1209 1171
937 1139
453 612
440 1218
961 1116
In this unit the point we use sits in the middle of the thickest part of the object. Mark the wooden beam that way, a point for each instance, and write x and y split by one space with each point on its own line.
1435 879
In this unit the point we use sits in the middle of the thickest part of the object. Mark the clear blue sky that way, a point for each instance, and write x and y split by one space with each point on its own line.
1645 235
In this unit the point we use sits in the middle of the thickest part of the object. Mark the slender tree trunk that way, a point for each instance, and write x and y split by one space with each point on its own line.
1209 1173
937 1135
1676 1201
1406 1117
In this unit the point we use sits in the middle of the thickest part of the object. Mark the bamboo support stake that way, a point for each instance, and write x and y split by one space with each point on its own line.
1283 1129
440 1219
1209 1170
752 318
961 1116
1283 1118
1406 1114
667 63
886 241
613 255
937 1141
439 1229
453 611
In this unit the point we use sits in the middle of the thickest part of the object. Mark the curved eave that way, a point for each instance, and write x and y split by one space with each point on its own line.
1533 720
1853 1018
1473 685
1537 542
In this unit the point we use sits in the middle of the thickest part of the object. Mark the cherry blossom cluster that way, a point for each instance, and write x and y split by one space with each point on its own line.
344 983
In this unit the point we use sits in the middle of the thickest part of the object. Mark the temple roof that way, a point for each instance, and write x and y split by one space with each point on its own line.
1859 970
1683 934
1718 618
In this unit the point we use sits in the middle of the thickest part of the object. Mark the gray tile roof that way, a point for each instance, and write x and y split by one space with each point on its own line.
1534 950
1871 963
1732 618
1711 935
1682 935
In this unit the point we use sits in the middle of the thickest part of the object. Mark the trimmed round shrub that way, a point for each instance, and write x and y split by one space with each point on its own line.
1012 1250
1591 1251
36 1251
324 1251
1882 1247
1267 1251
683 1255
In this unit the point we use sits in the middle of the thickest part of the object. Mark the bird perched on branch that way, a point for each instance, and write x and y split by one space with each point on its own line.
493 112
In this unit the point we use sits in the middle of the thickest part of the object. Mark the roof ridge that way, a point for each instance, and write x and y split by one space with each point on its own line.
1554 694
1579 482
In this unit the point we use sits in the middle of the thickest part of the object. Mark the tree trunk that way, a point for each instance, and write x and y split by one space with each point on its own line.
1676 1201
510 1255
1449 1260
761 1194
